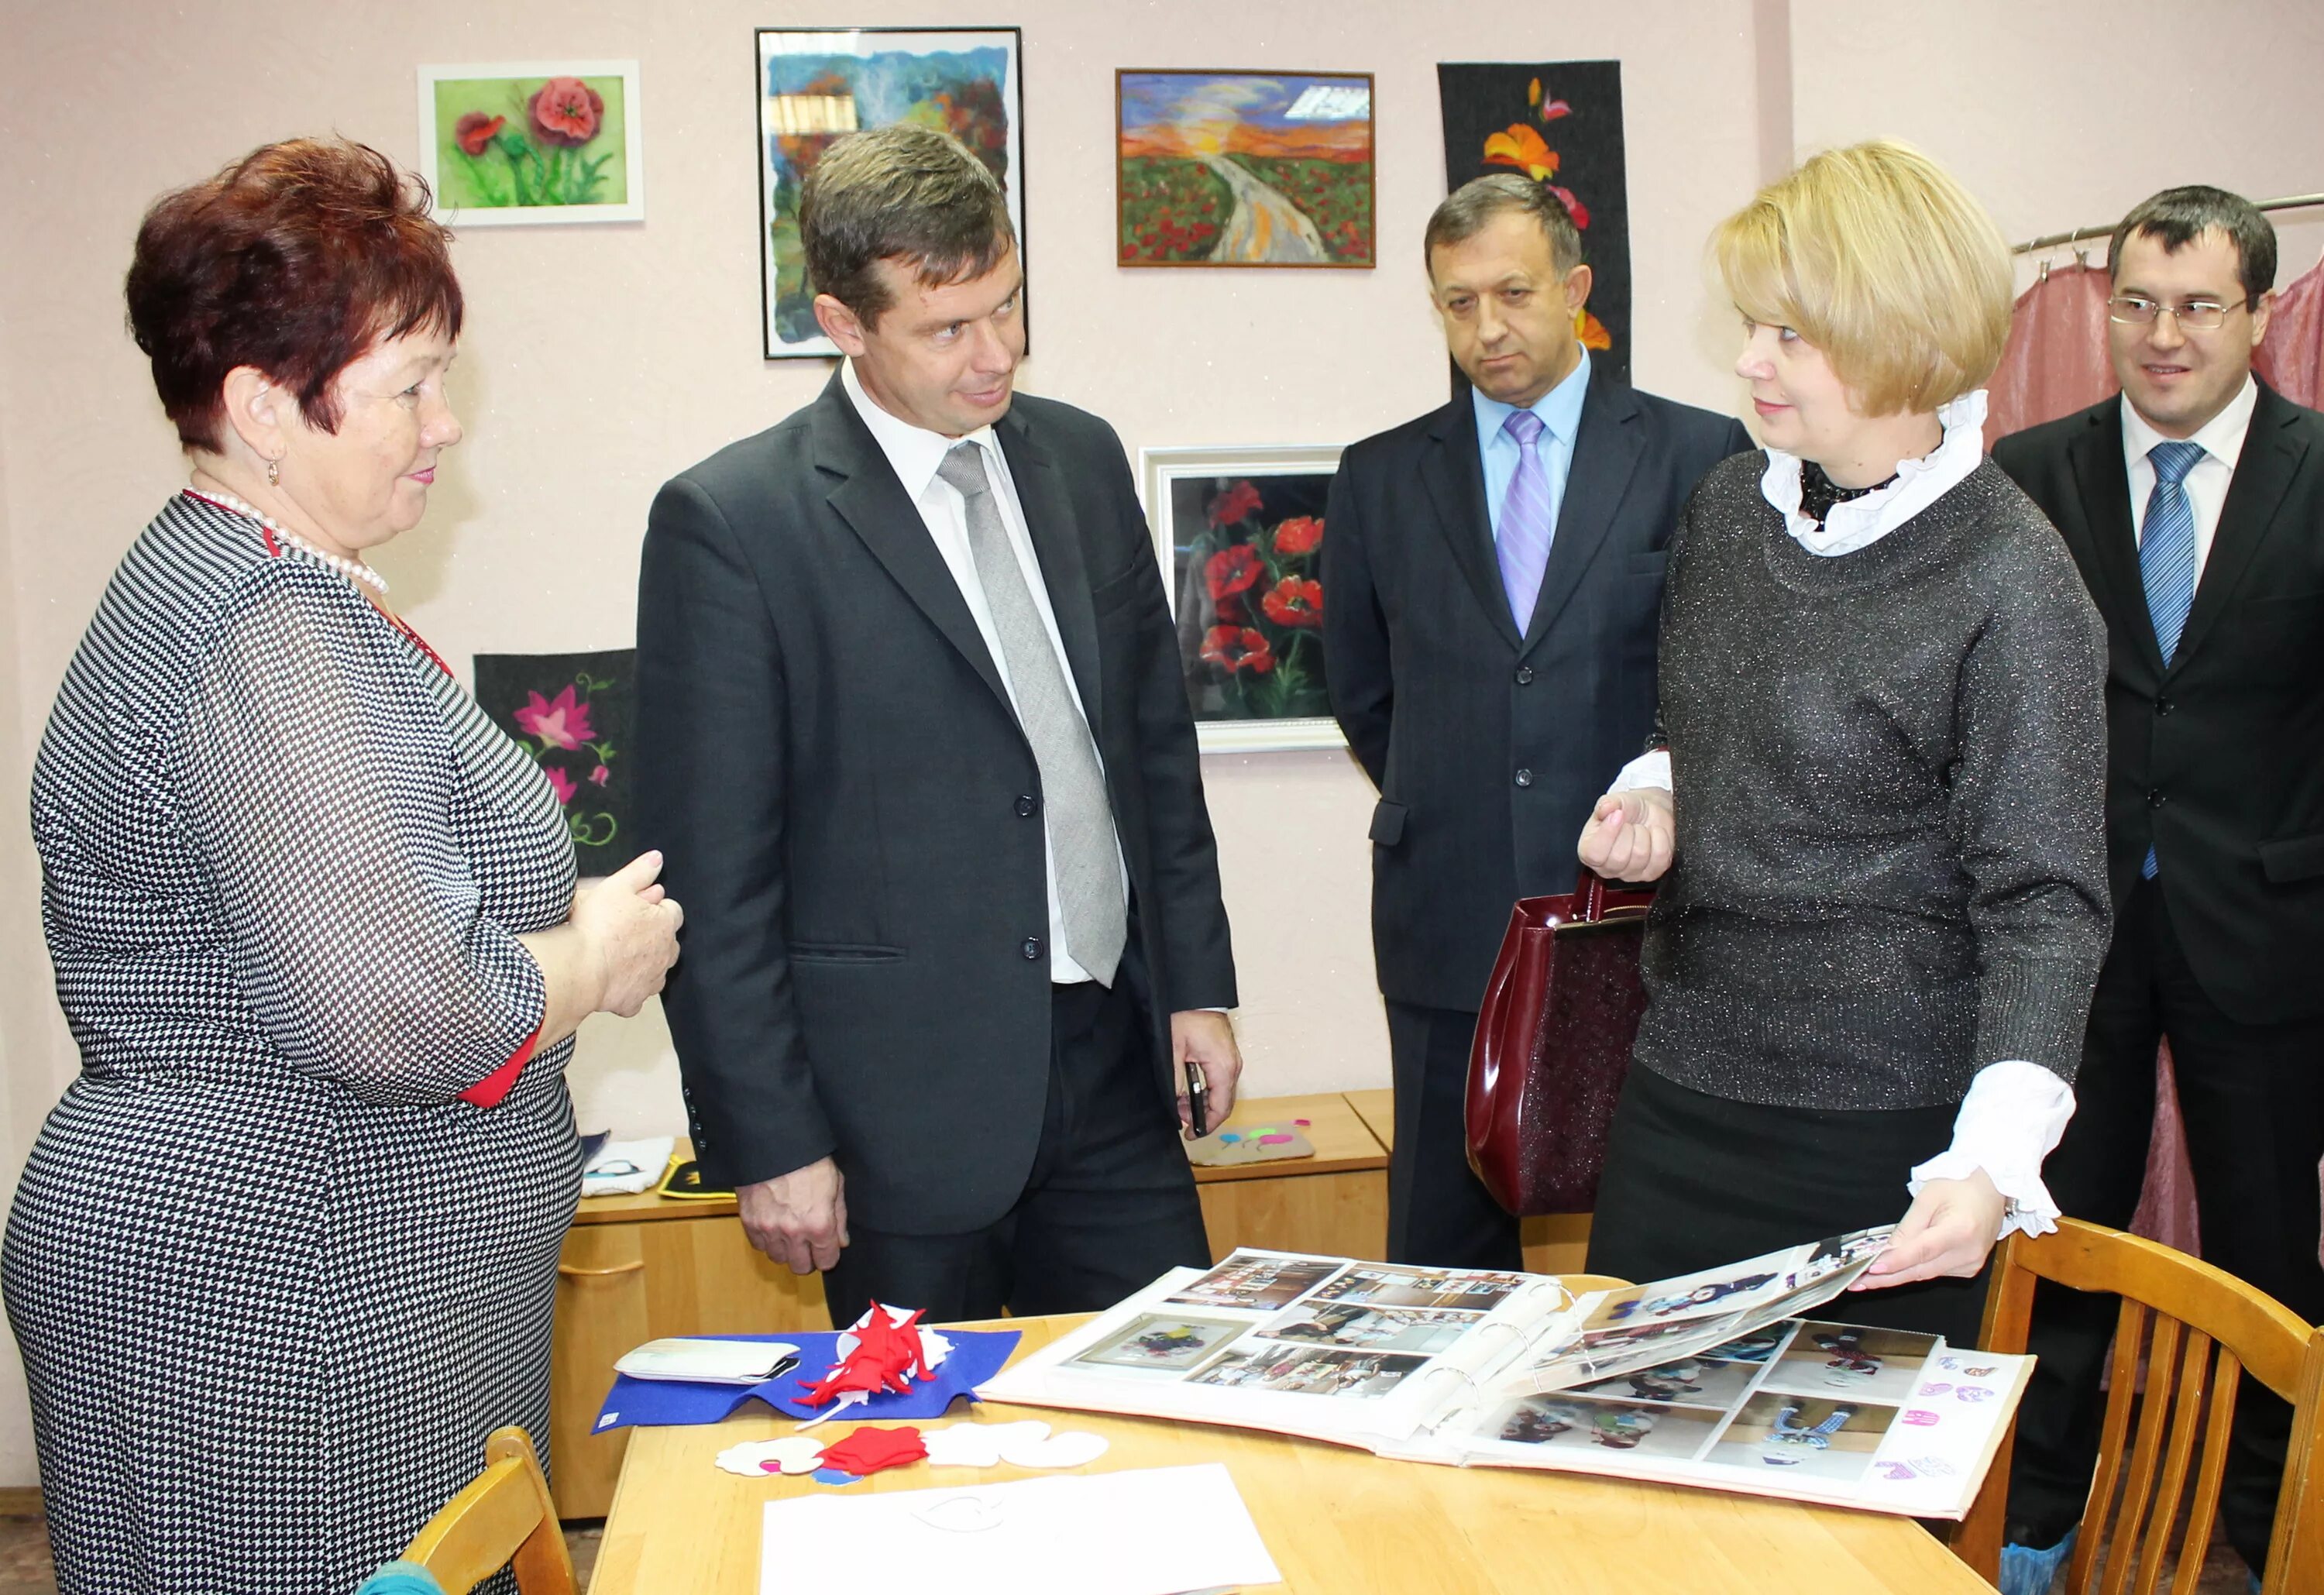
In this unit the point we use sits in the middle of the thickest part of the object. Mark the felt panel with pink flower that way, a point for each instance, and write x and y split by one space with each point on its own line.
575 713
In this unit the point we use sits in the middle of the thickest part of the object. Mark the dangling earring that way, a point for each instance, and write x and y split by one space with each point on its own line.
273 473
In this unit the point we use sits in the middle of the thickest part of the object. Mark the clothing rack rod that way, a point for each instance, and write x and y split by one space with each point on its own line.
2105 229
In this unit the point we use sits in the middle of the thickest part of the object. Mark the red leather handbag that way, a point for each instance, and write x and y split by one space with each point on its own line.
1553 1046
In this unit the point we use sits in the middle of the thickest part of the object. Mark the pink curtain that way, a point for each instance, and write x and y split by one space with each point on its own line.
2290 358
2166 1206
2055 362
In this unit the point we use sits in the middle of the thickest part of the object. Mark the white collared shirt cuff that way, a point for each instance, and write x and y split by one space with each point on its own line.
2009 1121
1647 770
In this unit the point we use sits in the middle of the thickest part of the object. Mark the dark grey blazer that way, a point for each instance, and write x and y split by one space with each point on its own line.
851 814
2218 760
1488 748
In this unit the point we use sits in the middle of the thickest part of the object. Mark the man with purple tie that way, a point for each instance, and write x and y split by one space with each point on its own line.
1491 574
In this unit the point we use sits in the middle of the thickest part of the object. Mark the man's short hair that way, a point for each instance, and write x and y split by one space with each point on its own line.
1470 207
2177 217
903 193
1878 257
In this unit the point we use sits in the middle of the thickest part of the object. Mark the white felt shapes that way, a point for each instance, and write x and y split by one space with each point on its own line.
963 1446
792 1453
1027 1445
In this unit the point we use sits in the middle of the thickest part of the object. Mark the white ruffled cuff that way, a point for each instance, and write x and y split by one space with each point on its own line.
1646 770
2009 1121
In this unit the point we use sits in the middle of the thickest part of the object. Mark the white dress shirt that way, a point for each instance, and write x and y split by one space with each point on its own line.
916 453
2222 440
2015 1110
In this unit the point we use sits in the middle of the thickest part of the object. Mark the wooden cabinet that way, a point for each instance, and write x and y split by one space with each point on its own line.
1556 1243
1334 1202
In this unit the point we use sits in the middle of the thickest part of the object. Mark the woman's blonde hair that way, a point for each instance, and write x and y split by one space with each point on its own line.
1879 258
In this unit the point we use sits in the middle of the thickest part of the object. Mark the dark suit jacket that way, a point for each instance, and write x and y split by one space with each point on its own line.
851 814
2218 759
1488 748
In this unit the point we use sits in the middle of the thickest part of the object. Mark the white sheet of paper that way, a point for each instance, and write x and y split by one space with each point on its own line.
1147 1531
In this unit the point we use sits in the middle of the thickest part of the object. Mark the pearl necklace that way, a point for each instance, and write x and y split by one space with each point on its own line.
355 570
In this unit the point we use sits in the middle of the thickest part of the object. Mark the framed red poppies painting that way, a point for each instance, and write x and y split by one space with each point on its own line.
521 144
1240 533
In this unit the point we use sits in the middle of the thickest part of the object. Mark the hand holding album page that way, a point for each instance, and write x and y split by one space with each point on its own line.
1147 1531
1724 1379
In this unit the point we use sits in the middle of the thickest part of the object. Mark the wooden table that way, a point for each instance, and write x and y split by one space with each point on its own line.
1554 1243
1337 1521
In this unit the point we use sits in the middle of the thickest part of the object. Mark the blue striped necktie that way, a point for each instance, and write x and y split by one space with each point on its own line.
1526 526
2166 556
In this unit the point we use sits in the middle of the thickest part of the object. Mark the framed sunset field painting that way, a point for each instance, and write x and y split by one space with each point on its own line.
1243 168
817 85
523 143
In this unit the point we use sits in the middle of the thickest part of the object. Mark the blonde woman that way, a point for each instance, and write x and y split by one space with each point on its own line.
1875 804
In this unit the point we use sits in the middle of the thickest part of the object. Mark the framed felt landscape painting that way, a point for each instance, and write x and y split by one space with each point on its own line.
523 143
817 85
1243 168
1240 533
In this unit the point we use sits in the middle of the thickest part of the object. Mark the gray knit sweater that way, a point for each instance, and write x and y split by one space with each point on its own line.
1889 771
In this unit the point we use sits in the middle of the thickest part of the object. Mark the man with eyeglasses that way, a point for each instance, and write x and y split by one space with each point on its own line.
2194 506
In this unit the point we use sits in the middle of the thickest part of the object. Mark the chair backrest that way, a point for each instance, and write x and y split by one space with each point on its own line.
505 1515
2206 1327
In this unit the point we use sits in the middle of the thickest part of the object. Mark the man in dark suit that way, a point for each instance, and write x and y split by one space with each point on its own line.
1491 574
912 736
2194 506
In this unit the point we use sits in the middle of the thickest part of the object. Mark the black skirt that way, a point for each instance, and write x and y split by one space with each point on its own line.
1694 1181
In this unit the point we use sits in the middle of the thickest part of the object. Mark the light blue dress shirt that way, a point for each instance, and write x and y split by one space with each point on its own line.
1560 411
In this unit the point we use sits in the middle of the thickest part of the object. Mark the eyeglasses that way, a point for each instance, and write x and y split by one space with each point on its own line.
2133 309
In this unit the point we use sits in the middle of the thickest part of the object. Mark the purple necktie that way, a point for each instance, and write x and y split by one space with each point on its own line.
1526 522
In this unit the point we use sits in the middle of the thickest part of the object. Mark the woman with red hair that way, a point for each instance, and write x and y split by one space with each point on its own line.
284 1253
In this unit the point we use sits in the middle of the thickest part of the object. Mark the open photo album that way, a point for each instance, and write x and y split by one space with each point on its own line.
1726 1379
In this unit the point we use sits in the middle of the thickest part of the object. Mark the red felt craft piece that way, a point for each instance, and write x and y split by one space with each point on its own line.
887 1356
870 1451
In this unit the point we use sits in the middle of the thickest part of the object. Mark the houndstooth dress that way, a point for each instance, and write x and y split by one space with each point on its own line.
273 1281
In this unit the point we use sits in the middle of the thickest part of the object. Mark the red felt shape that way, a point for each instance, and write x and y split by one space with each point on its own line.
870 1450
887 1356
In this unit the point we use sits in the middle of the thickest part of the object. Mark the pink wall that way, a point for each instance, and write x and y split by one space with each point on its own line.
599 361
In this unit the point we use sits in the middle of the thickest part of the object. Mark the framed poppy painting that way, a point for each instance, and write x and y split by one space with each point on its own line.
817 85
1240 533
1243 168
521 144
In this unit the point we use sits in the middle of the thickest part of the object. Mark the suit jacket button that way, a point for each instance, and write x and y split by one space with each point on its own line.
1524 675
1028 805
1524 778
1032 948
2163 705
2155 800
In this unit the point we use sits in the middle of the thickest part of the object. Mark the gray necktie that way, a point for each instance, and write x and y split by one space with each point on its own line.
1080 816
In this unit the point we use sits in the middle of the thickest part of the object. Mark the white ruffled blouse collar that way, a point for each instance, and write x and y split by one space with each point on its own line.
1859 522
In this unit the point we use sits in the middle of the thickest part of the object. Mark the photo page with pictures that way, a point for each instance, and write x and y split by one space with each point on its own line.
1728 1378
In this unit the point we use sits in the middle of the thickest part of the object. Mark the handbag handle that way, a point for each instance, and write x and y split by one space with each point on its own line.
1593 896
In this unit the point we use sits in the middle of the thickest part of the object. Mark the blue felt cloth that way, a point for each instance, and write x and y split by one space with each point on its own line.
976 1356
402 1578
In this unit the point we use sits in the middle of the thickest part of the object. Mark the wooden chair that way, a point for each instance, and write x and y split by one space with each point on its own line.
503 1517
2207 1326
